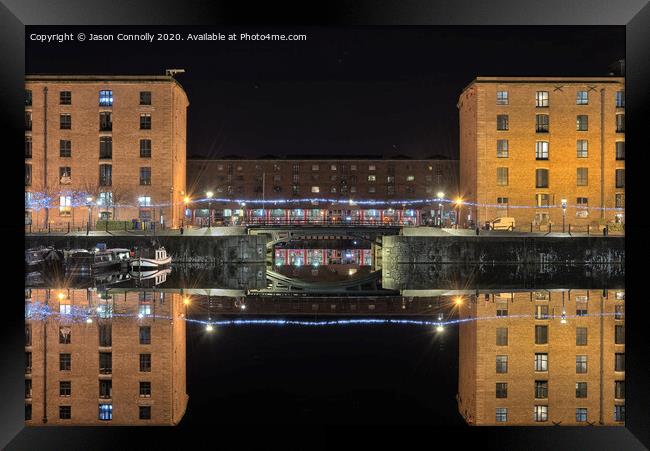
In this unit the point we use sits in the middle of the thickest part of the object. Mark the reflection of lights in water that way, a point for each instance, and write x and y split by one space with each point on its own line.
39 311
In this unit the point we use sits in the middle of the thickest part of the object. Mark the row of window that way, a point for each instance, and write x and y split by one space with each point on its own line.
542 98
541 389
342 168
105 389
105 412
105 97
105 123
541 310
105 175
105 333
105 148
541 177
541 334
541 149
540 413
105 362
541 362
296 189
542 123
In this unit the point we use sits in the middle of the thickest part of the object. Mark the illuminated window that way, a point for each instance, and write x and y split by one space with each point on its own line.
541 99
65 205
372 178
581 364
106 412
372 167
105 98
502 414
582 176
582 122
541 150
502 148
620 99
581 414
541 362
315 189
502 97
541 123
144 201
581 147
410 178
541 413
65 175
541 389
502 364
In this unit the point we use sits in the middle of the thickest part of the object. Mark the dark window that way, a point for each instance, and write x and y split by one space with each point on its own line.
145 176
502 364
502 150
541 178
28 362
105 147
105 363
620 178
541 335
582 122
145 121
28 174
620 150
28 97
581 389
502 389
620 99
619 389
65 412
105 335
619 334
28 388
65 148
66 121
145 362
502 336
145 97
65 362
541 312
618 312
620 200
145 389
28 147
502 176
145 148
145 335
581 336
65 335
105 98
28 411
28 120
620 123
541 389
65 98
619 413
582 176
65 174
541 123
105 388
619 361
105 175
105 121
502 122
28 334
145 412
65 388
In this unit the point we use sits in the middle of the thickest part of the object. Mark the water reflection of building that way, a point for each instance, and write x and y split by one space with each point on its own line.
125 365
563 362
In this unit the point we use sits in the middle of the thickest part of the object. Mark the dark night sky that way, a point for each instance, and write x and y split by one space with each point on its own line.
352 91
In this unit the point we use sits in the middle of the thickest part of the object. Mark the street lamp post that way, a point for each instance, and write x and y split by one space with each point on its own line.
186 201
459 204
89 199
209 195
563 213
441 196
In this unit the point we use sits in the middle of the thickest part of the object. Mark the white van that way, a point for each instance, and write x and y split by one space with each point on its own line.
503 224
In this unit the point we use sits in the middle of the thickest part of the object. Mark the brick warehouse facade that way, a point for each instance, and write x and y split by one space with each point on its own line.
347 179
79 373
118 139
532 141
520 364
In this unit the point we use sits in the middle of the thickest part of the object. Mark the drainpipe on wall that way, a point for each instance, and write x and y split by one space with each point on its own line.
602 153
47 209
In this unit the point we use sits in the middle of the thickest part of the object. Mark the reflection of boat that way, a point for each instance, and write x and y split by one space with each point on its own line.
83 261
150 259
155 277
40 258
